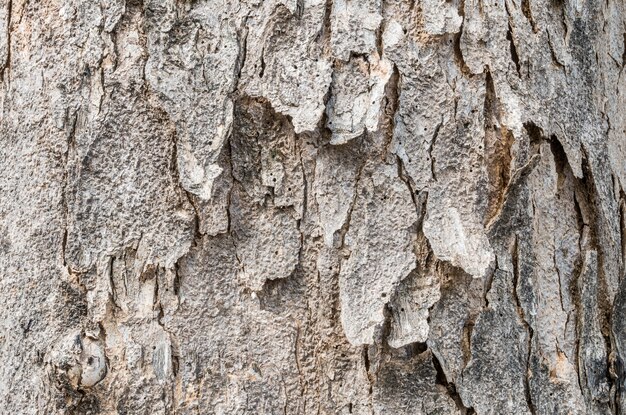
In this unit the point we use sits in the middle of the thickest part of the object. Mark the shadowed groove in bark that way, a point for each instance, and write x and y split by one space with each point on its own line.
450 388
529 330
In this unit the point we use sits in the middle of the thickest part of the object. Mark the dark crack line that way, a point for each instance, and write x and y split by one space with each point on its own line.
528 328
512 46
346 226
6 65
441 379
431 147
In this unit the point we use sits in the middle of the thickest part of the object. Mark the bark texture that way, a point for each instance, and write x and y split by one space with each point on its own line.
312 207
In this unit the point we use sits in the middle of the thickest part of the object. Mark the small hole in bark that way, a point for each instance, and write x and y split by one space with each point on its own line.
275 252
210 143
383 295
274 179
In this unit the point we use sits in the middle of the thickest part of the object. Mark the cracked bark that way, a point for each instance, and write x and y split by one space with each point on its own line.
313 207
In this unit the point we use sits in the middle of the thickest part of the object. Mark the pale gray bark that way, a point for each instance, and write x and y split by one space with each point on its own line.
312 207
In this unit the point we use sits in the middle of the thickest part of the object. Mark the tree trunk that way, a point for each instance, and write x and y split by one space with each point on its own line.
313 207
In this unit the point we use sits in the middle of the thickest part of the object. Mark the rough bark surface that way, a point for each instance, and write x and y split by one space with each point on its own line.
312 207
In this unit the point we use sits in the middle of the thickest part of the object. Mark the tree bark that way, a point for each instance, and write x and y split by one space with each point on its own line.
312 207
